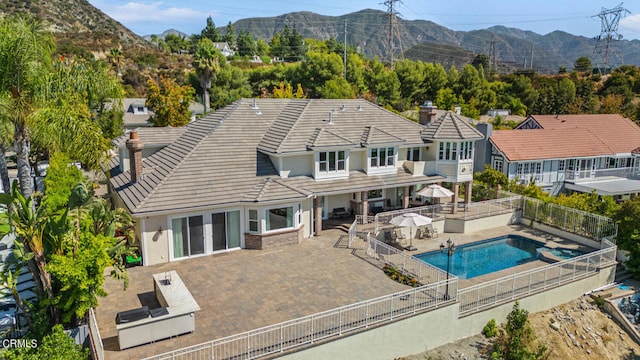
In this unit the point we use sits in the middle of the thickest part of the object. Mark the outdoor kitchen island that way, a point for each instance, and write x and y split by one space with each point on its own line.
176 315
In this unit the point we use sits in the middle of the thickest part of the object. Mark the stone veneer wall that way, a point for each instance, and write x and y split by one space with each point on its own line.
274 240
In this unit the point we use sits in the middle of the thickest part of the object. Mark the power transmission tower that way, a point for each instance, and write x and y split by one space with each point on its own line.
606 43
394 43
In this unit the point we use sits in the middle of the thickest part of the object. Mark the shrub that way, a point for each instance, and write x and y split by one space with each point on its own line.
491 329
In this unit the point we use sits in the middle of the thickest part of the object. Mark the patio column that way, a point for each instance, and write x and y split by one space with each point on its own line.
468 186
365 205
405 197
317 204
456 188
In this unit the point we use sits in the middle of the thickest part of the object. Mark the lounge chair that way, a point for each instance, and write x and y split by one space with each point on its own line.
431 232
421 233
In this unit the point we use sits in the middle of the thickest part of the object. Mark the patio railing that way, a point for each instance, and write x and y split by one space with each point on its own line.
97 348
516 286
356 229
426 273
487 208
311 329
571 220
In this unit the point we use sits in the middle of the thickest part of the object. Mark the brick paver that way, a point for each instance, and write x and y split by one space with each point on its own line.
248 289
244 290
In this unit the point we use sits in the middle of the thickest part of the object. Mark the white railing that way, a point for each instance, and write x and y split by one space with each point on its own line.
97 347
357 228
311 329
571 220
509 288
487 208
426 273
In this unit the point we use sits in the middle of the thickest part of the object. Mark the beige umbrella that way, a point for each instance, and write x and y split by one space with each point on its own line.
435 191
410 220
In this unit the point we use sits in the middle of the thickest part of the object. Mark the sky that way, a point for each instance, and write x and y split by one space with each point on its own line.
578 17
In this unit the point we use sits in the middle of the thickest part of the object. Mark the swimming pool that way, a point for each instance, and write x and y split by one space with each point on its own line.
491 255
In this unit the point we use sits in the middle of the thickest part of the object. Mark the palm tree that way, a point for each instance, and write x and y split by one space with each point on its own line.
207 64
116 60
25 55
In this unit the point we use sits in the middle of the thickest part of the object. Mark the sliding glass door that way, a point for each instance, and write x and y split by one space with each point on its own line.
225 230
188 236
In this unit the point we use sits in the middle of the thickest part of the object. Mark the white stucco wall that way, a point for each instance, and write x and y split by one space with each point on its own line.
155 243
357 159
298 165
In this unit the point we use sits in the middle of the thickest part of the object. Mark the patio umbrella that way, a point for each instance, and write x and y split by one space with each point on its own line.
410 220
435 191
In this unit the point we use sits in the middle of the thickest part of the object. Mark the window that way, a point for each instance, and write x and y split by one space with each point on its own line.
253 220
441 152
188 236
561 165
382 157
279 218
413 154
455 150
332 161
498 165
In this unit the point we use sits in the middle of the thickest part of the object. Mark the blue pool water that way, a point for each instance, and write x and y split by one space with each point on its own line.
487 256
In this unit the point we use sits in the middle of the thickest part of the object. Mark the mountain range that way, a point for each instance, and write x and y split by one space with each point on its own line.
367 30
423 40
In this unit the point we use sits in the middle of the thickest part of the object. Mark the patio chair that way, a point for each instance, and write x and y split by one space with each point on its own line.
431 232
421 233
389 236
400 238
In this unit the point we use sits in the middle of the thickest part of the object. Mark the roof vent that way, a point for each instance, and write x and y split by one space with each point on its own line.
258 112
330 117
255 105
359 107
344 107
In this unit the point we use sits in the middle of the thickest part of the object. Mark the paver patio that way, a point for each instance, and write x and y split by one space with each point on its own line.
248 289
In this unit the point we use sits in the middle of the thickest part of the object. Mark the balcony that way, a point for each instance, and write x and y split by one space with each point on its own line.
578 175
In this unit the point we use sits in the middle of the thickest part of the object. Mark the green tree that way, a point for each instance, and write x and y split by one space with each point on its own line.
337 88
56 345
317 69
246 44
583 64
207 62
170 102
518 341
210 32
25 56
230 35
116 59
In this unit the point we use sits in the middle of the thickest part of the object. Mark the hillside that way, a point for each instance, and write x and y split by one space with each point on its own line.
366 30
77 22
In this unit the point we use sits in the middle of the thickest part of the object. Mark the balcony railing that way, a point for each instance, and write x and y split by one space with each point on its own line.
590 174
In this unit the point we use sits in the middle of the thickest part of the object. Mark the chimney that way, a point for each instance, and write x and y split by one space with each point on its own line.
427 113
135 145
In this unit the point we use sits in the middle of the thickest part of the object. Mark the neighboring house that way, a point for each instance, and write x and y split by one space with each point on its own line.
136 113
579 153
264 173
224 48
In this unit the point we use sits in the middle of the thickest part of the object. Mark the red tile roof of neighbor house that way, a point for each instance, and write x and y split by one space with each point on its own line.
566 136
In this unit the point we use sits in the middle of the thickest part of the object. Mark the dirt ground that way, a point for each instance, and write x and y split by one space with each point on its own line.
577 330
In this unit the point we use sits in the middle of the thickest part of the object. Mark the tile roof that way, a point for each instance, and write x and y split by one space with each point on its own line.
371 135
293 128
326 138
565 136
450 126
607 186
220 159
536 144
